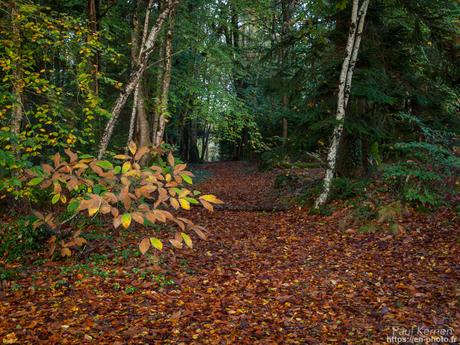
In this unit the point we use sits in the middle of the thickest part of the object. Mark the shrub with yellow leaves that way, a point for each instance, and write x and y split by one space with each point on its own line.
124 191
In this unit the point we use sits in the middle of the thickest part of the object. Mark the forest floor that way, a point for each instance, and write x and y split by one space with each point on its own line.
285 277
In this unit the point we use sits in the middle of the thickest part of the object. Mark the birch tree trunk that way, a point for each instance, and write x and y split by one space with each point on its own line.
17 110
346 76
138 113
162 107
136 75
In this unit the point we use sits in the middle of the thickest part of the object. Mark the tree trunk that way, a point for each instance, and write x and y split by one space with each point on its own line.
93 19
285 130
166 79
135 76
204 149
346 75
139 113
287 12
17 110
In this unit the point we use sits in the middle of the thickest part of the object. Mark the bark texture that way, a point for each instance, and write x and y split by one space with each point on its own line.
136 75
139 113
346 75
162 107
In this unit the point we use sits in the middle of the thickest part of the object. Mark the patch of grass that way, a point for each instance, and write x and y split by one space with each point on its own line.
16 287
322 210
364 212
8 274
369 228
18 238
163 281
129 290
98 259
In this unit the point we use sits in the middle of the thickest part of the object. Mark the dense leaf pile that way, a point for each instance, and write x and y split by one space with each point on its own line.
261 278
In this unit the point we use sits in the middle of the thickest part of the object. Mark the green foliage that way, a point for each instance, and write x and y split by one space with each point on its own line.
20 238
7 274
426 176
10 169
345 188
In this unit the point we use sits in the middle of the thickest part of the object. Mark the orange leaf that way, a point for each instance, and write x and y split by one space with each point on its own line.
170 159
144 245
141 152
207 205
66 252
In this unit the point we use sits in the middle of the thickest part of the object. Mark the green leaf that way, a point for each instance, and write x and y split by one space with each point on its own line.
85 156
104 164
117 169
186 178
192 201
156 243
56 198
35 181
73 205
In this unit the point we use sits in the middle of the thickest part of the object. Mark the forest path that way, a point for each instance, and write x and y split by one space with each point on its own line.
261 278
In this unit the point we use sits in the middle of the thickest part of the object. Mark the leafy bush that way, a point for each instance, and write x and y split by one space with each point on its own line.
124 192
11 167
285 180
20 237
427 176
275 158
345 188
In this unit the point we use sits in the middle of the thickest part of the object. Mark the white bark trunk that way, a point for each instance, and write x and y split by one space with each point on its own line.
346 76
132 122
136 75
163 104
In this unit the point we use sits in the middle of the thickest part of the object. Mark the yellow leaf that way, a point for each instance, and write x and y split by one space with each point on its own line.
126 220
66 252
211 198
187 239
156 243
132 147
126 167
185 204
92 211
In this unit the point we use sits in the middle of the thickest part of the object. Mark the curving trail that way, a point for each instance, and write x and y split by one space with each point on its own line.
261 278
